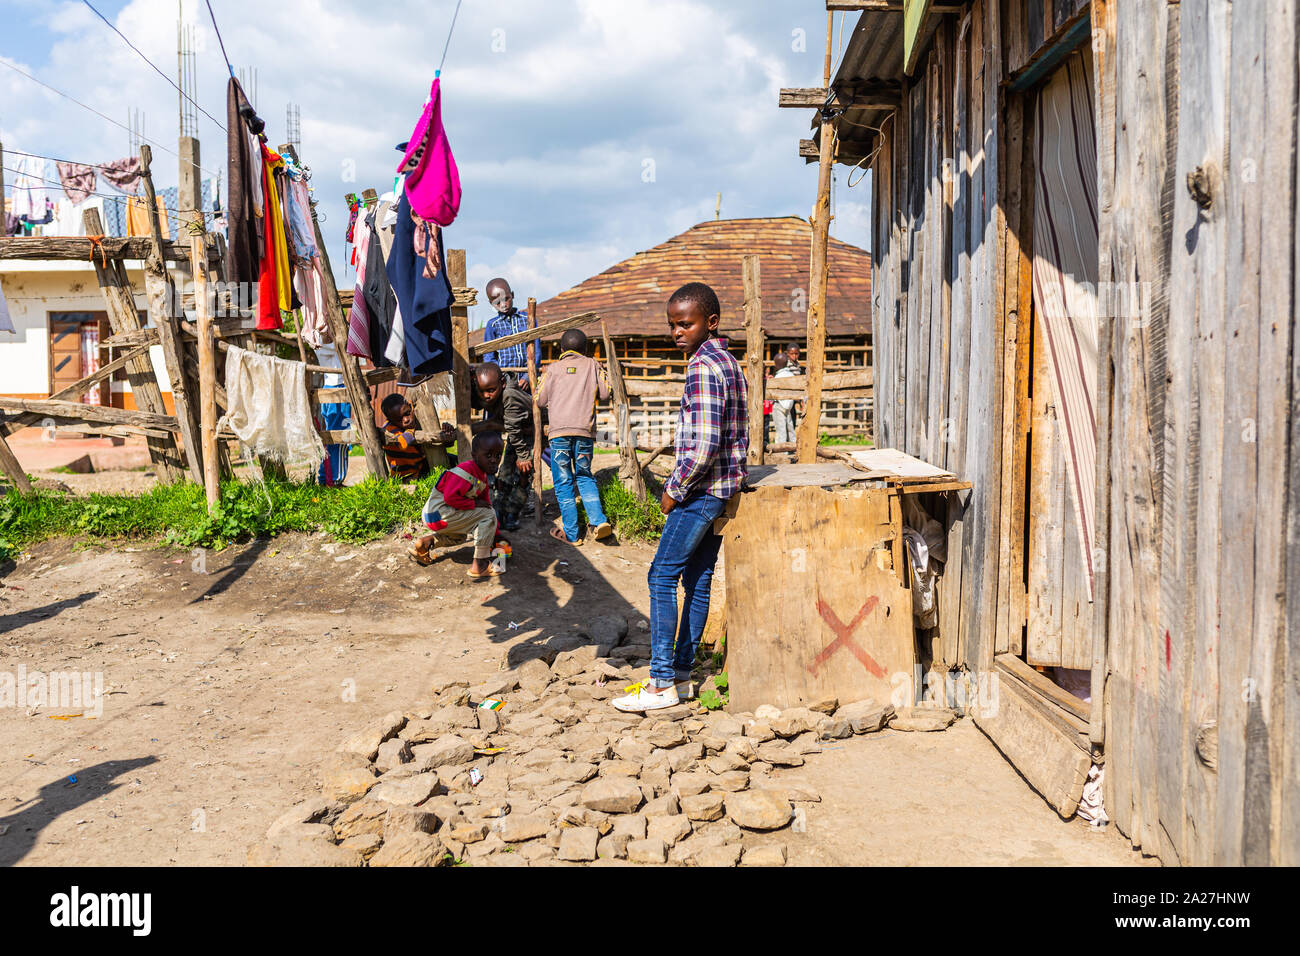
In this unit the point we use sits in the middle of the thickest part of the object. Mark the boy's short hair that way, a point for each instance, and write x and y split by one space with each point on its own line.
390 405
780 361
700 296
482 438
574 340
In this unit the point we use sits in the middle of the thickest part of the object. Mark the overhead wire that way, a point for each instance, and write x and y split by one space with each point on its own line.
73 99
446 46
154 66
220 41
120 197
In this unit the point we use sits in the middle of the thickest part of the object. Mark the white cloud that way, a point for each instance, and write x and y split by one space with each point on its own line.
550 134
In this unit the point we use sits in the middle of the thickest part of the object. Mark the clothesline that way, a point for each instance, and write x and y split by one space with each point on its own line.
121 197
72 99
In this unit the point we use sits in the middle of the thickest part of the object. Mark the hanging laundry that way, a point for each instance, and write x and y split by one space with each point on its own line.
424 296
309 281
27 198
304 236
275 230
244 201
122 174
359 316
381 304
13 226
270 409
268 293
78 180
6 321
137 217
69 218
432 180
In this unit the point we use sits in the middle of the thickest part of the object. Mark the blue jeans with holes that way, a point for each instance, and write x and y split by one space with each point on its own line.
571 472
688 549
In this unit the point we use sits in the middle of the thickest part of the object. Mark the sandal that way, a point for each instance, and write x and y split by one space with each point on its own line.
559 535
422 558
492 572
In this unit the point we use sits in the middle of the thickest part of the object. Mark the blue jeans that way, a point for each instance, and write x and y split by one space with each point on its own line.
571 471
687 552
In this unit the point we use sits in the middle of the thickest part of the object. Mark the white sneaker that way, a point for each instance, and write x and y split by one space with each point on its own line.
643 698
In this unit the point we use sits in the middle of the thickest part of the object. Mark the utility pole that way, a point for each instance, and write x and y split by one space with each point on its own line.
806 445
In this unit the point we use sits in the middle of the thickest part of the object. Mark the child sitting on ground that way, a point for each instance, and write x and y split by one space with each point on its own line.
572 385
459 507
405 459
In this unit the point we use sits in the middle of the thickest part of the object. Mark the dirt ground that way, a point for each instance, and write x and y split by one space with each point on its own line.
225 684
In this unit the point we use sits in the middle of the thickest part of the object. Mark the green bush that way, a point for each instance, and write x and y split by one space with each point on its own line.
179 513
631 516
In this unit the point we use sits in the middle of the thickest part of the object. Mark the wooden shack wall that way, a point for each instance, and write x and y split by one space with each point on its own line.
1198 433
937 327
1203 659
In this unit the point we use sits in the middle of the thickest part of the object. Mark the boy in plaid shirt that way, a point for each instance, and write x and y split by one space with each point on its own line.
711 443
508 321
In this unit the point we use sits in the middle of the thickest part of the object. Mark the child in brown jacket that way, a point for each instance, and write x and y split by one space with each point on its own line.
569 390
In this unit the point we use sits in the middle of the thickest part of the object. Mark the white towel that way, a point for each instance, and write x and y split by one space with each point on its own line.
270 409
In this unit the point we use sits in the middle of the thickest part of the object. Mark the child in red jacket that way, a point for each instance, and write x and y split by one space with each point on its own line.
459 507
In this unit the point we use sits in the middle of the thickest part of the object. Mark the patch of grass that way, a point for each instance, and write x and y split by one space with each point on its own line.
825 439
178 513
632 517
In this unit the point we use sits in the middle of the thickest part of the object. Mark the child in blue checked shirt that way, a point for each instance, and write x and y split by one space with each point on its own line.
711 444
508 321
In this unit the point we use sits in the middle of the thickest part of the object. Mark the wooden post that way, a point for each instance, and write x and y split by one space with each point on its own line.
119 298
9 465
629 468
427 414
754 351
460 356
821 224
207 370
161 291
534 364
363 417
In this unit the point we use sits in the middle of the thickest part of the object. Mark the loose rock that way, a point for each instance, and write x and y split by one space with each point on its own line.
759 809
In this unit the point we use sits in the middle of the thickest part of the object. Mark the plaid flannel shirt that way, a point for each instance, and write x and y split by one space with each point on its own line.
512 356
713 428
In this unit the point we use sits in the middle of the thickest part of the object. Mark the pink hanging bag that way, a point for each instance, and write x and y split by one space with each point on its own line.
432 180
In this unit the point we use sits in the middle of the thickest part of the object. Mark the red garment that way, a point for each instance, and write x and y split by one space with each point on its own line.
454 488
268 291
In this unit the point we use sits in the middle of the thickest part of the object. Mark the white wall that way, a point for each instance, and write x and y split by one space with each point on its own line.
34 290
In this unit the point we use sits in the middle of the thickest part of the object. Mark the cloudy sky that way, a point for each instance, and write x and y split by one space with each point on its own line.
585 130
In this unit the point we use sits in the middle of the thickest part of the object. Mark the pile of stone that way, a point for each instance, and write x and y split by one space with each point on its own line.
557 775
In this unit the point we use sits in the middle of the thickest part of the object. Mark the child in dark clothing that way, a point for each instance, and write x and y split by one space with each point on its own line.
405 460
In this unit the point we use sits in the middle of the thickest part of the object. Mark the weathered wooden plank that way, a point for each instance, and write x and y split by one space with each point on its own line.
79 248
363 421
119 300
161 291
1046 756
1270 202
754 354
77 411
528 335
629 470
819 609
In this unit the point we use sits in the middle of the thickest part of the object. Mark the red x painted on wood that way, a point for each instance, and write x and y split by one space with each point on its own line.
844 638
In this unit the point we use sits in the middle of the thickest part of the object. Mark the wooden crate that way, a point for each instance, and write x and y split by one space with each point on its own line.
815 607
